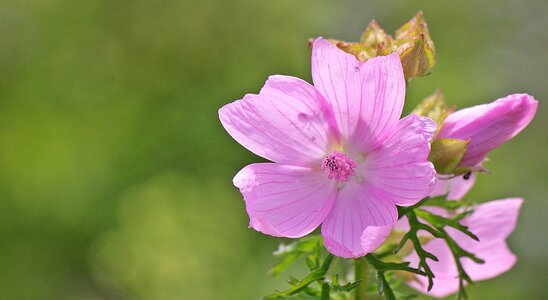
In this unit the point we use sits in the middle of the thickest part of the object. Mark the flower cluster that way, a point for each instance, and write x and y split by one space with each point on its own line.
343 159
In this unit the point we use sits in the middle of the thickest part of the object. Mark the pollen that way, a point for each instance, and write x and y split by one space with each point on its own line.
339 167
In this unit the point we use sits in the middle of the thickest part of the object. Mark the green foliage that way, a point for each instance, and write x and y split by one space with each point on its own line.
311 248
414 227
435 225
315 275
419 219
343 288
450 205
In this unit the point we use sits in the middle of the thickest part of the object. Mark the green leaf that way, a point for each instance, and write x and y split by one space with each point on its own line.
414 227
312 261
458 254
310 245
391 266
447 204
439 221
336 286
298 286
436 226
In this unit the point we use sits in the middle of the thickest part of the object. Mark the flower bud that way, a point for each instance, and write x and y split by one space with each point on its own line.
465 137
415 47
412 42
488 126
377 40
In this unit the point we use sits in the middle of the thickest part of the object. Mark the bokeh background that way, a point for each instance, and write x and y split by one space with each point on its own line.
115 174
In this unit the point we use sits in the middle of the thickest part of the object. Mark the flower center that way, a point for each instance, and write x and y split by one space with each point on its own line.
339 166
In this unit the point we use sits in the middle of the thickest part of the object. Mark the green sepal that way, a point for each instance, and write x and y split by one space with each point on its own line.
446 154
434 107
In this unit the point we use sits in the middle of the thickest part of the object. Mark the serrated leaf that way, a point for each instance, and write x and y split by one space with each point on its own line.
447 204
440 221
343 288
301 285
297 286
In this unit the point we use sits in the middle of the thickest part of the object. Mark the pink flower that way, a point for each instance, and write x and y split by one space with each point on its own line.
492 222
487 126
341 155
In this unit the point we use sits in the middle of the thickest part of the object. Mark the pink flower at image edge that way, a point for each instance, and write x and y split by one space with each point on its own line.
486 126
341 156
492 222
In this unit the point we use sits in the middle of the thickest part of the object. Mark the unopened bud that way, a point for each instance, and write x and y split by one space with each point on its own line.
415 47
412 42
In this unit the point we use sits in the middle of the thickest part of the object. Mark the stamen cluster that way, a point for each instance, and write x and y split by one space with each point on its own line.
339 166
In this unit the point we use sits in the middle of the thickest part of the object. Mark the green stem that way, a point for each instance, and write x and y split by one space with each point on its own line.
361 273
325 291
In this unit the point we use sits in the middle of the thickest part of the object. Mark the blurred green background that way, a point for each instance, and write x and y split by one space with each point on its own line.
115 174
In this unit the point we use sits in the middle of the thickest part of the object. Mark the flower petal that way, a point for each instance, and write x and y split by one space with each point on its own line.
288 122
493 221
367 98
374 236
489 125
498 259
285 201
357 207
400 166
